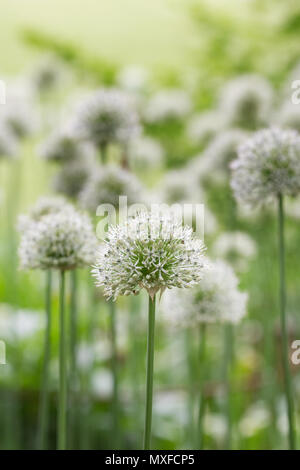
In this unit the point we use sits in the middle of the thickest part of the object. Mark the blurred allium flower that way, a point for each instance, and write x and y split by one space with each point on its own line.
146 153
133 78
203 127
256 418
179 186
47 74
8 142
246 101
107 116
214 162
148 252
268 164
107 184
72 177
19 112
62 146
216 299
169 104
64 241
236 247
45 205
288 117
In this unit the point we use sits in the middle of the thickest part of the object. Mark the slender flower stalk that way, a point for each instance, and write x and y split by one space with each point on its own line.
282 297
44 401
73 357
201 408
227 374
149 373
62 394
114 368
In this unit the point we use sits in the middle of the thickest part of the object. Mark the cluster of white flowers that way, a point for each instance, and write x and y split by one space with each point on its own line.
107 116
217 299
72 177
288 116
107 184
179 186
236 247
133 78
47 74
167 105
268 164
63 240
149 251
63 147
203 127
214 162
146 152
247 101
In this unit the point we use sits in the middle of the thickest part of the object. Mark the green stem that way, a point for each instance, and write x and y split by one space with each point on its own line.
150 364
73 350
228 363
282 297
189 347
62 398
201 409
44 402
114 365
103 153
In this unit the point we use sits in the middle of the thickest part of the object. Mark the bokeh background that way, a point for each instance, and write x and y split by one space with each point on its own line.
196 47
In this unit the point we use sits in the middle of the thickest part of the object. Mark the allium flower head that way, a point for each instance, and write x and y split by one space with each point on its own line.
107 184
72 177
179 186
149 252
216 299
246 101
63 146
64 240
44 206
107 116
170 104
268 164
288 117
133 78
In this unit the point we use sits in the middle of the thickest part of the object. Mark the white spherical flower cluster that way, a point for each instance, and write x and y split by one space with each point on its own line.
146 153
107 184
204 126
217 299
133 78
236 247
179 186
170 104
64 241
72 177
63 147
246 101
149 252
268 164
107 116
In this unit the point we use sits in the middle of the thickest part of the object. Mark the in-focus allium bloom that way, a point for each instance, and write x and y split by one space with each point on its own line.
246 101
149 252
62 146
214 162
146 153
236 247
8 142
268 164
72 177
203 127
107 184
64 241
107 116
217 299
170 104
